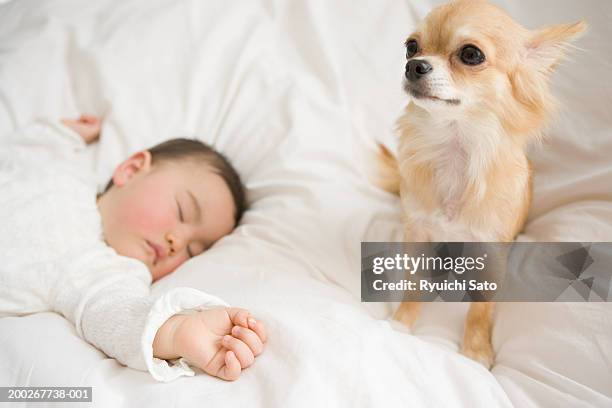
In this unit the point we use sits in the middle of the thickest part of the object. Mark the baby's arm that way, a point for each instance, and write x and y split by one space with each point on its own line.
221 342
48 139
107 297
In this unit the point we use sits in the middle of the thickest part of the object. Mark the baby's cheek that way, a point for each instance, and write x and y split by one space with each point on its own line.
147 217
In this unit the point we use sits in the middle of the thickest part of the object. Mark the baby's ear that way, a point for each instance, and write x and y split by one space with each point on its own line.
136 163
548 45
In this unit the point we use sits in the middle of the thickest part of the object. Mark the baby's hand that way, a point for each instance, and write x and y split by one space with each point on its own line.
87 126
221 342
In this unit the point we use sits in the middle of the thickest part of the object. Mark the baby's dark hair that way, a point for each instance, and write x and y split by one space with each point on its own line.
176 150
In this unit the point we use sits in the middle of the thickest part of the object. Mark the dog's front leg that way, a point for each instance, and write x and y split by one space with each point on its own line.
407 313
477 335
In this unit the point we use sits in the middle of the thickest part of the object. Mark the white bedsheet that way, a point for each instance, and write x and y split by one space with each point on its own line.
297 93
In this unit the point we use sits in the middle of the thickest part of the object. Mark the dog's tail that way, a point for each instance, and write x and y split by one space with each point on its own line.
388 170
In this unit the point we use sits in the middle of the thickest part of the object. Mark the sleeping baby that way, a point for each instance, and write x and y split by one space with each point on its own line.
92 258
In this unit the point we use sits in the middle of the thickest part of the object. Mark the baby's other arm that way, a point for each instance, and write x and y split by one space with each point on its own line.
87 126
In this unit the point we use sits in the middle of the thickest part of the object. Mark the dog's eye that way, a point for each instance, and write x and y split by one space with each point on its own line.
412 47
471 55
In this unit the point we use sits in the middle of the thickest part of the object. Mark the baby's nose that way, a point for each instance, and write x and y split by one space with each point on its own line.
172 244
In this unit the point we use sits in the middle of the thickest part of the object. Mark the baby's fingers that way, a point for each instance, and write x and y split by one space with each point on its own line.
242 317
239 316
89 119
231 370
240 349
258 327
250 338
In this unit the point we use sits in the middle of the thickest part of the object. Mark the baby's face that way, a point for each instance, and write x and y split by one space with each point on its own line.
164 214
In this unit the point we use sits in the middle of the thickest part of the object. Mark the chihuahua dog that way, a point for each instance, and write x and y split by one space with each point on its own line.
479 89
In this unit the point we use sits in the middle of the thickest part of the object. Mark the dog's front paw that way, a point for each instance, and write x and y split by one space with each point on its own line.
482 353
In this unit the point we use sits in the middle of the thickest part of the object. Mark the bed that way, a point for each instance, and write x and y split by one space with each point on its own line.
297 94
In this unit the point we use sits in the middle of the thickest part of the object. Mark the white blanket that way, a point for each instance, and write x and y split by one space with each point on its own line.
297 93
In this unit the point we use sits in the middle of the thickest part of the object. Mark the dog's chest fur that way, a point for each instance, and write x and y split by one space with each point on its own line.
450 173
457 156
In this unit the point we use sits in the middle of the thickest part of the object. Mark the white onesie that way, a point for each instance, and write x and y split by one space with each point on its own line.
54 257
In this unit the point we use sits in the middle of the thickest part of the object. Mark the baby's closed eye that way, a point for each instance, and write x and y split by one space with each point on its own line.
180 211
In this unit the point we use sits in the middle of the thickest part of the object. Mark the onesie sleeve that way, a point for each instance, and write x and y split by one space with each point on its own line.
107 297
48 137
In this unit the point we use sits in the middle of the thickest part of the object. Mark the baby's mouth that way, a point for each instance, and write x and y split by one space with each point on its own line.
154 251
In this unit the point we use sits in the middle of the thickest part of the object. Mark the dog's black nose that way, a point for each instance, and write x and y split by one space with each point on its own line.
415 69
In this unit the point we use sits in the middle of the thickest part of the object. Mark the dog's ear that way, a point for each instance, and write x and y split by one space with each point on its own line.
544 49
547 46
